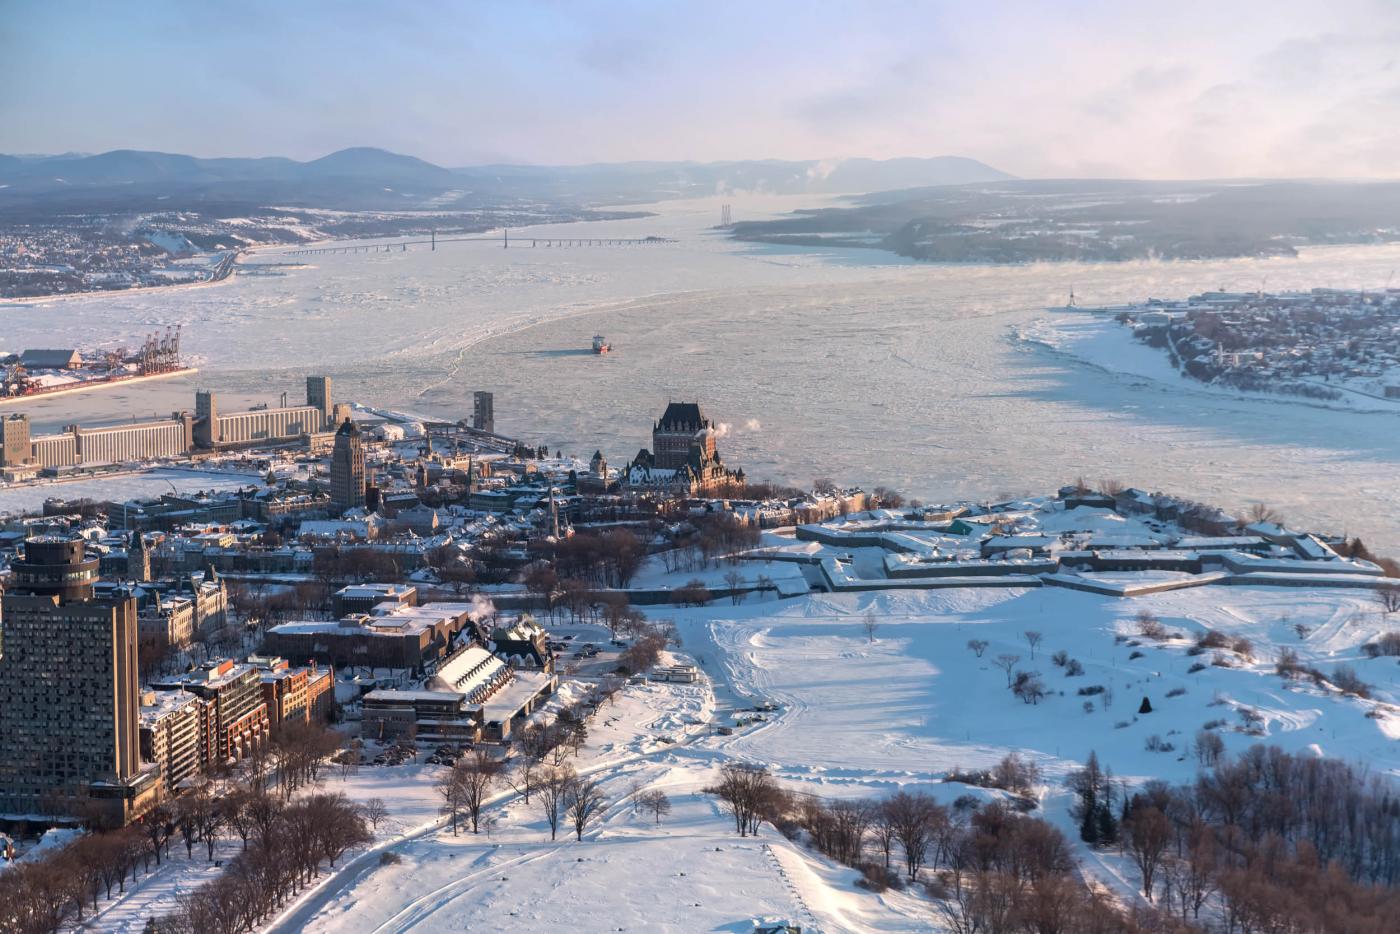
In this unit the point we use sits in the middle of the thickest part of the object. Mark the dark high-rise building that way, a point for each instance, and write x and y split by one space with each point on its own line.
348 468
69 738
484 412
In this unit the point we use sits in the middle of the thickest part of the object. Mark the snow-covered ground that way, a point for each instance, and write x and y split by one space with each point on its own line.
858 718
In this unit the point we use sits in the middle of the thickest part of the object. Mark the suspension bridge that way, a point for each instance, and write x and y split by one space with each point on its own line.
505 240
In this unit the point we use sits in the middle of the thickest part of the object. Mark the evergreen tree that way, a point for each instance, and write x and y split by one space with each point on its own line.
1107 826
1089 827
1145 707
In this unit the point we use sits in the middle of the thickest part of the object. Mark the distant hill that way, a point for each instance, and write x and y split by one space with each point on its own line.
1015 221
370 178
653 181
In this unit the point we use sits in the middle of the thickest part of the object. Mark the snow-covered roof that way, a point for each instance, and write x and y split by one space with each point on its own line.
469 671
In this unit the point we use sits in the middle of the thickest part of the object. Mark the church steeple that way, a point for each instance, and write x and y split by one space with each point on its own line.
138 559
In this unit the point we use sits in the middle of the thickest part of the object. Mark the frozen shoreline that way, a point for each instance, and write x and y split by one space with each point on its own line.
1101 342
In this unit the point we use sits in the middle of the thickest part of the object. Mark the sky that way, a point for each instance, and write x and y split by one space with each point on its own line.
1227 88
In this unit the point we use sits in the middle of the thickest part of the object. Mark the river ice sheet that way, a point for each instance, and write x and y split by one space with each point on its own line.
842 363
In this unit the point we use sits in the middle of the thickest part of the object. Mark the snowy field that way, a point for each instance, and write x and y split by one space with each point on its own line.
842 363
859 718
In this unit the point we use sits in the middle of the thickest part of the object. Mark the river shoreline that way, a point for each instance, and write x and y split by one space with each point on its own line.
94 385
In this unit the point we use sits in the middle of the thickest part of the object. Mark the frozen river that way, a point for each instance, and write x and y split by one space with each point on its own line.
845 364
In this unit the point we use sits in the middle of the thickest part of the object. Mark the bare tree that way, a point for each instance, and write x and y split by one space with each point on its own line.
552 791
870 624
656 803
349 761
1028 686
583 800
1146 833
886 498
200 810
1006 662
1033 638
477 772
525 776
917 820
1209 748
375 811
749 793
1389 600
1261 512
1149 625
159 825
450 789
886 827
238 815
978 646
734 580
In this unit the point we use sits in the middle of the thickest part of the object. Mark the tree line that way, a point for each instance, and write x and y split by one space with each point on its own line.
284 844
1265 843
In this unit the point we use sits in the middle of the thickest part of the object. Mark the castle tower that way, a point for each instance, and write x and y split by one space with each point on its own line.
671 437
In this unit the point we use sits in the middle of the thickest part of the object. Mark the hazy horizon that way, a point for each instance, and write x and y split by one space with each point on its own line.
1253 89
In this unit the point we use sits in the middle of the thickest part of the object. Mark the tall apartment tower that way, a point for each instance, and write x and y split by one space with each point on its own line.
15 448
206 419
318 393
484 412
348 468
69 737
